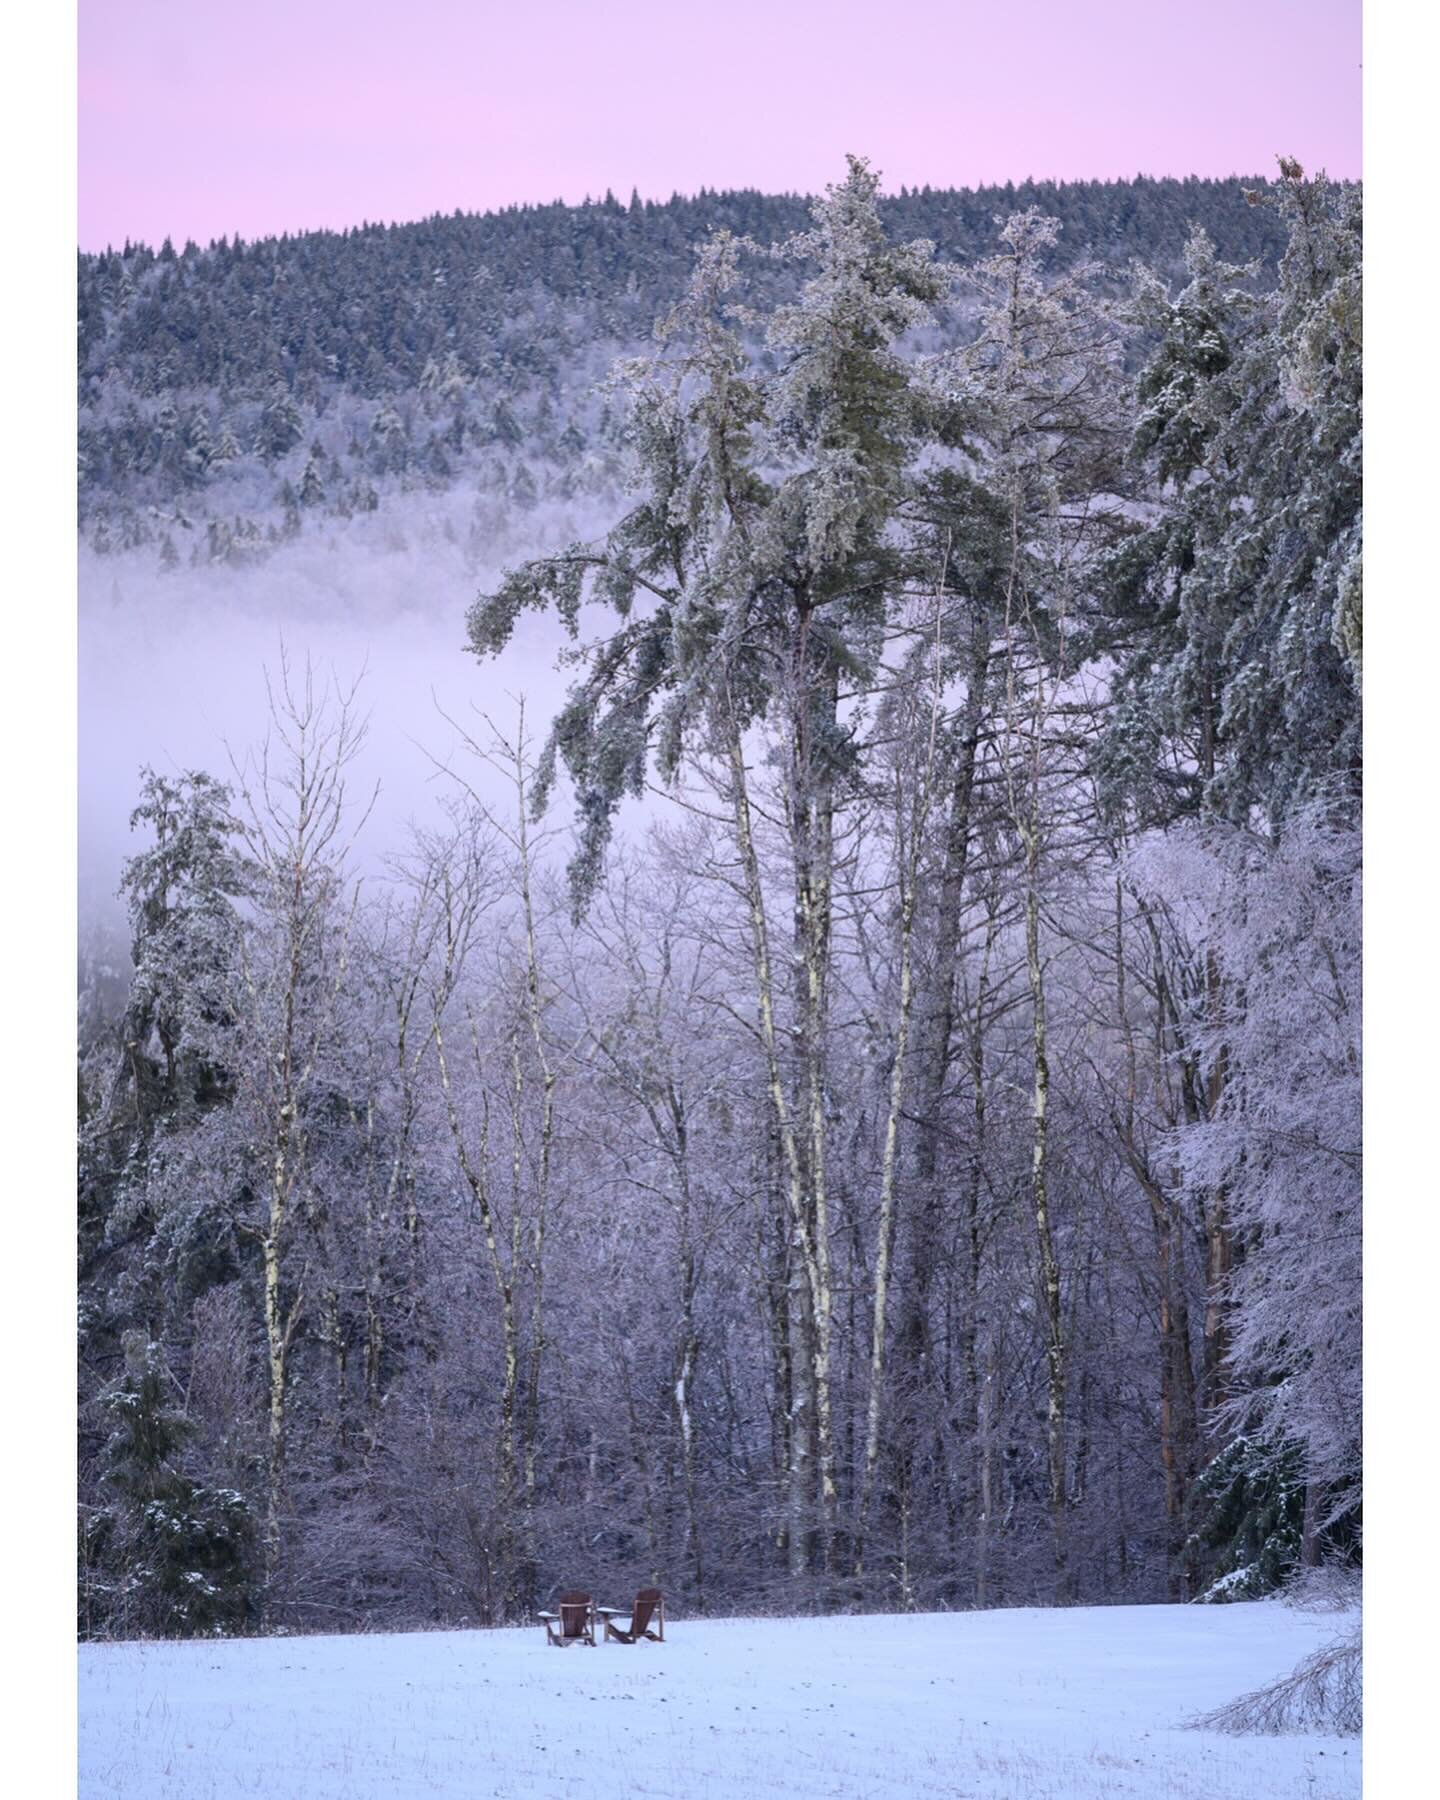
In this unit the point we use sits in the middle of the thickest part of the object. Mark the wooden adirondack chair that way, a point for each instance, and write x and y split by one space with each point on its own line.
649 1604
574 1623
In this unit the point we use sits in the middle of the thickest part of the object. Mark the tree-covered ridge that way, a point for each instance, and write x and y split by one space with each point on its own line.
403 293
314 371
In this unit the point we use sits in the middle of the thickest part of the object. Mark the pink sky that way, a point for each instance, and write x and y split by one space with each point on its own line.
201 119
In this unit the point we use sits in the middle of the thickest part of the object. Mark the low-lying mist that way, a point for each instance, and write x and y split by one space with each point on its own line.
173 663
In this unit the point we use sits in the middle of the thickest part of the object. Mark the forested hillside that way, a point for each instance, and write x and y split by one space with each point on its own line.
230 394
924 1170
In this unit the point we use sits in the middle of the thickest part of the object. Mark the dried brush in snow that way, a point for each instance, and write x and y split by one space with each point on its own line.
1321 1694
1332 1588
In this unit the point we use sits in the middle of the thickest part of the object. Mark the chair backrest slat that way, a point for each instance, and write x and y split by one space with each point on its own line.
574 1613
645 1603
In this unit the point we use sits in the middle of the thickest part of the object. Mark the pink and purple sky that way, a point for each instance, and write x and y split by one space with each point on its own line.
202 118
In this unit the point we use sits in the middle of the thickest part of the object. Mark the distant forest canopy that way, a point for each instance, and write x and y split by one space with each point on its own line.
229 394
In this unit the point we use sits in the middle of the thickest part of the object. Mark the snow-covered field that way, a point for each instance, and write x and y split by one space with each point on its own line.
1022 1705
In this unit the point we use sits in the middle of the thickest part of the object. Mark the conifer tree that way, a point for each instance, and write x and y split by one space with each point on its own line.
281 424
181 892
165 1554
1236 614
389 441
312 487
228 448
199 451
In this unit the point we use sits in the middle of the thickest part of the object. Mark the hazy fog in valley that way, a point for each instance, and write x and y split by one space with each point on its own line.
172 664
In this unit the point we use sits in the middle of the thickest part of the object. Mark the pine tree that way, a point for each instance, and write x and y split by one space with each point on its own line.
228 448
732 562
199 451
171 1061
523 493
289 503
1249 1509
165 1555
312 488
504 426
390 445
181 892
1236 615
281 425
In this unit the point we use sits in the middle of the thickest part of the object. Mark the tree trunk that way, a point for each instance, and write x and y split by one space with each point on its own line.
1054 1323
934 1032
808 1288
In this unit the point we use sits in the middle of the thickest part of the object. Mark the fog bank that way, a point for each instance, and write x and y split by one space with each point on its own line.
172 664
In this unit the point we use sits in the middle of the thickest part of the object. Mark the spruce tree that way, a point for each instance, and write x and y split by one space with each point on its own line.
312 487
281 424
1235 616
165 1555
171 1060
1249 1510
228 448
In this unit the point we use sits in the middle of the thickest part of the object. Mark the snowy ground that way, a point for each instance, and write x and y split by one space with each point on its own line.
1023 1705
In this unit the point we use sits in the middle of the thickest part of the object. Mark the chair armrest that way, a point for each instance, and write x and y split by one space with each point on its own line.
547 1615
610 1612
